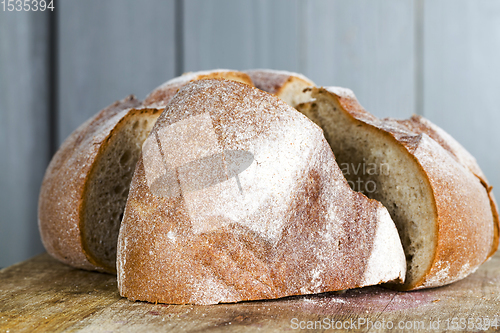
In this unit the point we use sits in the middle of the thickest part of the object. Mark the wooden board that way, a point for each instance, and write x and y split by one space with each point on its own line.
42 294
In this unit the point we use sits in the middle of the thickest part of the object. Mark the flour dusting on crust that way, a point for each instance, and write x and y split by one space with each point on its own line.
262 210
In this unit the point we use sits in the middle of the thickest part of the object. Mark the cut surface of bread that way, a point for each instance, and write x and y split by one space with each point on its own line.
286 85
160 96
85 186
107 186
440 207
238 197
419 125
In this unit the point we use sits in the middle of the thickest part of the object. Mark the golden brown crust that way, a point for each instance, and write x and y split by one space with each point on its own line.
418 124
294 226
62 188
464 220
268 80
162 95
273 81
286 85
494 211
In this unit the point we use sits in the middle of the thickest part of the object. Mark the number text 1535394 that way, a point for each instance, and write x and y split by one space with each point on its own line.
27 5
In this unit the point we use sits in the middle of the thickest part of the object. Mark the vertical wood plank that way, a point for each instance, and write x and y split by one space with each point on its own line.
367 46
109 49
461 75
24 137
240 34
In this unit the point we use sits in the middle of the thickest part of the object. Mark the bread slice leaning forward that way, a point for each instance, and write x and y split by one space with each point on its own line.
86 185
441 209
237 196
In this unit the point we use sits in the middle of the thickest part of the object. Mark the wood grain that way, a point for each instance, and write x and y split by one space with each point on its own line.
42 294
239 34
108 50
367 46
461 76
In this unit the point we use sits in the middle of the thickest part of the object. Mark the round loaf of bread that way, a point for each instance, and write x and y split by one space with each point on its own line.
433 189
161 96
237 197
86 184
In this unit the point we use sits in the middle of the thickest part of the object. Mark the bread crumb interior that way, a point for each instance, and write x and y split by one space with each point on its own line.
374 164
108 187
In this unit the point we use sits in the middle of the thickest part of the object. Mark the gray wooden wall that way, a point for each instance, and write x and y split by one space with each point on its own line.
438 58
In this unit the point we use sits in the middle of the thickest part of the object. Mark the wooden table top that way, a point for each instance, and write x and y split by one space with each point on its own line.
42 294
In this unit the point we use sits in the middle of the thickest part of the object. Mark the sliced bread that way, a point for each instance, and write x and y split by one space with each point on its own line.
419 124
237 197
441 209
85 187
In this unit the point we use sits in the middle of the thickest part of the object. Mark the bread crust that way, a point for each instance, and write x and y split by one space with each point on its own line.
464 221
274 81
286 85
64 185
419 124
271 240
162 95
